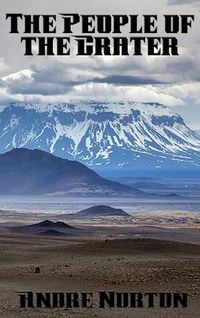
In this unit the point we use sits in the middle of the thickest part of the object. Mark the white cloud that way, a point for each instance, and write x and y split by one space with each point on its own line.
96 91
22 75
64 81
117 93
185 91
58 79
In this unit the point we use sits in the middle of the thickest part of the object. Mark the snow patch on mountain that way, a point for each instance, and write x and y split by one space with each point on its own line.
113 135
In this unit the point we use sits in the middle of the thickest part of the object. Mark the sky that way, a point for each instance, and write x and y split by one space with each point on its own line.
170 80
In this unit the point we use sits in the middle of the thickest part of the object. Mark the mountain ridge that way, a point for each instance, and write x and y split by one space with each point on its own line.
24 172
104 136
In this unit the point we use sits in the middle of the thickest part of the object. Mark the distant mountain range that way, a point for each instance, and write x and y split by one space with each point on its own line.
24 171
115 138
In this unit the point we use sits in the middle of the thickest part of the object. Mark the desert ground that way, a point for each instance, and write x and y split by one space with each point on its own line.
156 255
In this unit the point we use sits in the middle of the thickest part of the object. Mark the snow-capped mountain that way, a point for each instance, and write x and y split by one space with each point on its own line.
198 132
105 136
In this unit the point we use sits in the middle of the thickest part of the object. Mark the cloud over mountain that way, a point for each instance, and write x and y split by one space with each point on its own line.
59 80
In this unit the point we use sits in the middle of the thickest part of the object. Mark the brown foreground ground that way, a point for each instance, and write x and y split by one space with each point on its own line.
90 265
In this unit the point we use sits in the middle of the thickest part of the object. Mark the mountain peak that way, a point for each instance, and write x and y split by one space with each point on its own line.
126 136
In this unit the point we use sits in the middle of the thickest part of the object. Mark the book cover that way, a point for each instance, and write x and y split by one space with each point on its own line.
99 159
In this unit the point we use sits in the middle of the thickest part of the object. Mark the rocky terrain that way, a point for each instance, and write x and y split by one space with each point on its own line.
44 264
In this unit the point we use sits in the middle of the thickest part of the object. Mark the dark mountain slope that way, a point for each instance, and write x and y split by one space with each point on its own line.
24 172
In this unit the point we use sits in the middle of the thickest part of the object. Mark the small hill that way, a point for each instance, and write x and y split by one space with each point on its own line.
51 225
47 228
100 211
